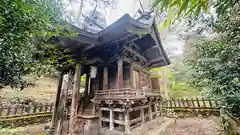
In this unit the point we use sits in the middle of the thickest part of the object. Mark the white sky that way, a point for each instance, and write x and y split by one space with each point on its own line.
172 44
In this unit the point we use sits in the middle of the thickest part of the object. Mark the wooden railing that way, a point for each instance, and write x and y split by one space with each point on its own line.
22 109
230 123
126 93
190 103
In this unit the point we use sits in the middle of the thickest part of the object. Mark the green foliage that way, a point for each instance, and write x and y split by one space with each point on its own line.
25 27
192 8
178 79
216 63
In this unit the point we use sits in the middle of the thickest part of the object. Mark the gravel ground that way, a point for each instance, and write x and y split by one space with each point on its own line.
35 129
196 126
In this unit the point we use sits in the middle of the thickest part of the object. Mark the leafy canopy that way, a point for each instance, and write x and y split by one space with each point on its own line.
216 63
190 8
25 27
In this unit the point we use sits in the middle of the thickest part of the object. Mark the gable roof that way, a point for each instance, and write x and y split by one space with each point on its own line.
144 33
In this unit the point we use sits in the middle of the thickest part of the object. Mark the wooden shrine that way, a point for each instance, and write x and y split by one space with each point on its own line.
118 94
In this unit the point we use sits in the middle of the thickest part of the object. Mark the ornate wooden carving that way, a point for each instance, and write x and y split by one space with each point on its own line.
109 102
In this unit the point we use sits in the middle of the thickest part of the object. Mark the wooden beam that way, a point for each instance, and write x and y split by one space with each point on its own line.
75 98
114 109
94 60
136 53
56 103
153 47
155 60
156 39
135 65
113 58
134 45
119 80
105 78
135 120
138 108
114 121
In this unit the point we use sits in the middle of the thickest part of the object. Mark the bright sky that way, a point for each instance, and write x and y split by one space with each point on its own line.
124 6
172 43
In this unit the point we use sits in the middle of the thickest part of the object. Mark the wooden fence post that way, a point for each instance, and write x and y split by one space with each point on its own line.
40 107
210 103
198 104
34 108
174 102
179 102
8 110
21 109
188 105
1 110
183 103
46 107
193 102
204 104
15 109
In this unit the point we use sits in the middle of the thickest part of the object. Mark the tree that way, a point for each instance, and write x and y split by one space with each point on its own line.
25 27
216 62
191 8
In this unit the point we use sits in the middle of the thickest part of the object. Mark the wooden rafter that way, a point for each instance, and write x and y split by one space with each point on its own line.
137 54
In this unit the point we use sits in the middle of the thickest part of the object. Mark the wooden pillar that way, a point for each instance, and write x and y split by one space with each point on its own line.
111 124
142 115
156 109
131 76
86 84
150 109
94 109
105 78
140 80
121 118
56 103
119 80
75 98
127 121
100 116
150 81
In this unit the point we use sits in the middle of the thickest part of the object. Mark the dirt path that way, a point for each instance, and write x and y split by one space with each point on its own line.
196 126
